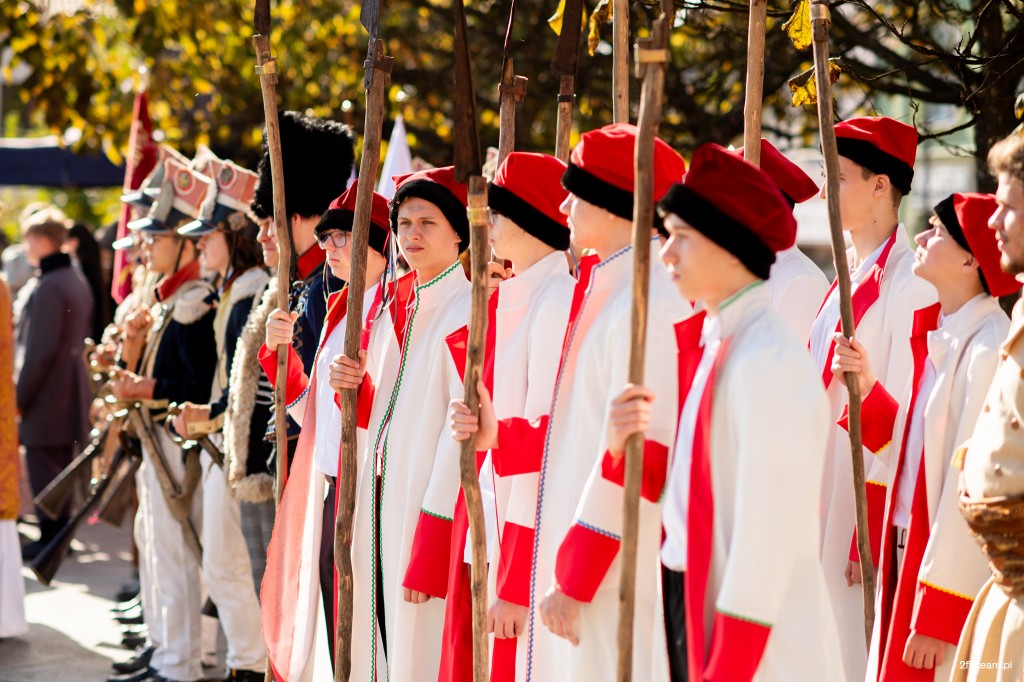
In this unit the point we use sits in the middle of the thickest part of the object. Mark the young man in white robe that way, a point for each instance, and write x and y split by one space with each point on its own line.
529 312
796 286
409 473
740 519
929 571
297 574
574 582
991 648
876 159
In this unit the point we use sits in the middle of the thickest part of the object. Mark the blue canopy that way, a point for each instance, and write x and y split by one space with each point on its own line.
41 162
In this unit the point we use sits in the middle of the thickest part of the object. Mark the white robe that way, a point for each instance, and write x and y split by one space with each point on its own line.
884 330
410 445
797 287
574 498
766 613
964 353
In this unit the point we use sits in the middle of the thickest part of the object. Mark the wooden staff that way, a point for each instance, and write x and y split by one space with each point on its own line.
467 168
651 57
819 31
511 90
378 78
563 67
620 61
755 82
266 68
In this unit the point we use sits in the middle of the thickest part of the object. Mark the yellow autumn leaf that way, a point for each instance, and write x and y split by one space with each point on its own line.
601 16
803 88
555 21
799 25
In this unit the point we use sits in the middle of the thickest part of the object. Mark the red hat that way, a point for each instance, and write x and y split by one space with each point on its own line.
527 189
796 186
439 187
882 145
736 205
340 214
965 217
602 168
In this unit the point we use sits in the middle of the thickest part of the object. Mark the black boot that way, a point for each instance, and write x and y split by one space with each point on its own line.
137 662
235 675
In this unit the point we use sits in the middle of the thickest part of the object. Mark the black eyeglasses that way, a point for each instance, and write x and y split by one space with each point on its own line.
338 238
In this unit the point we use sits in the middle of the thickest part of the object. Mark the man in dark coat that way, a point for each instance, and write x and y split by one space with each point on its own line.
53 317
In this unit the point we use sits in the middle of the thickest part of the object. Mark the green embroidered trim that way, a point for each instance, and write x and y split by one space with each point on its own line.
436 516
439 277
735 297
736 616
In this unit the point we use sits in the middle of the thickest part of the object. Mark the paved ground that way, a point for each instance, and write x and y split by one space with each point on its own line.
72 636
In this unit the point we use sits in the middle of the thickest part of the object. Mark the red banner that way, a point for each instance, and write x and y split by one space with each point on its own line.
142 157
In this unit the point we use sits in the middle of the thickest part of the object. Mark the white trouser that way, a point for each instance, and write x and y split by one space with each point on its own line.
12 585
169 571
227 573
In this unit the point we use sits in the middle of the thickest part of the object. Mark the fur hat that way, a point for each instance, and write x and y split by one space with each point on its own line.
317 155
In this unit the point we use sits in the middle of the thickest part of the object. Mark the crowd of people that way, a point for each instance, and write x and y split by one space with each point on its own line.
747 562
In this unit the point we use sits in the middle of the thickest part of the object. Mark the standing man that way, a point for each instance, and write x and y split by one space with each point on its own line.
740 517
317 157
52 319
528 314
796 285
177 364
991 647
574 586
929 571
876 168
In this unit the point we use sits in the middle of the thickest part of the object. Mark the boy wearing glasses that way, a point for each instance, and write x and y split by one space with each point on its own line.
305 527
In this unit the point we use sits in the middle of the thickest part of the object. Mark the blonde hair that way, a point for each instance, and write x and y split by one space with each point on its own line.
1007 156
48 222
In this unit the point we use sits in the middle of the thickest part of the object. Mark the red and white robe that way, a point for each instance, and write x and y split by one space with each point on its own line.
756 600
797 287
885 295
931 592
579 508
291 583
528 316
410 449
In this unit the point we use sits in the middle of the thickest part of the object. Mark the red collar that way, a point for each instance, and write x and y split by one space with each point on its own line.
169 285
310 261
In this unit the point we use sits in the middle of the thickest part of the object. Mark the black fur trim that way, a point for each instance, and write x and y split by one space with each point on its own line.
719 227
523 214
596 191
440 196
340 219
317 155
877 161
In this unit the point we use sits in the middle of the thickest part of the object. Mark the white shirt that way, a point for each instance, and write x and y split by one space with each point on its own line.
328 416
677 495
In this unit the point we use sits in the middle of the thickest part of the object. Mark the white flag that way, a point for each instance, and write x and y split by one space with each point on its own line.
398 160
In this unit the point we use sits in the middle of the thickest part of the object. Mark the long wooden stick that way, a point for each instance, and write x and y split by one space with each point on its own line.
620 61
651 57
379 71
511 91
819 27
755 82
266 67
563 130
468 466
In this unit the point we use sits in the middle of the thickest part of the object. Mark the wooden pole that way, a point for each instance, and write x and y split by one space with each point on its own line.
651 57
511 91
566 97
266 67
620 61
819 28
755 82
468 465
378 69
